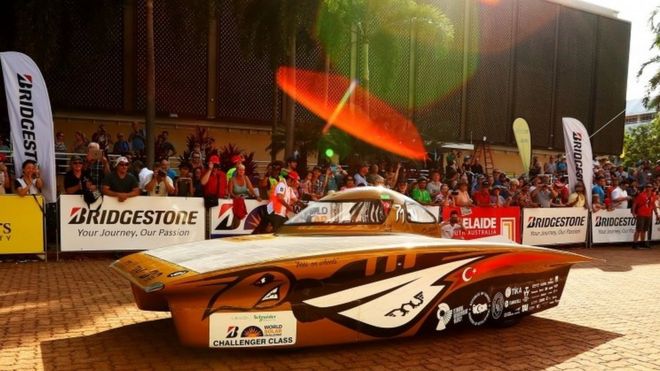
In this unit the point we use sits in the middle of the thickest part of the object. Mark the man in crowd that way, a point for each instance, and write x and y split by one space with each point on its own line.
543 193
214 179
482 196
643 208
121 183
121 146
137 138
361 176
620 196
599 187
449 228
98 165
420 193
160 184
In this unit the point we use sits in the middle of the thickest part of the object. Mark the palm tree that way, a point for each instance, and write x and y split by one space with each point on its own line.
652 98
272 29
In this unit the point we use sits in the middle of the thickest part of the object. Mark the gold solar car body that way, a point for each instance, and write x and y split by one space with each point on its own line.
358 265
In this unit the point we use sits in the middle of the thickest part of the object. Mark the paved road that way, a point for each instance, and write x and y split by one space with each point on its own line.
77 314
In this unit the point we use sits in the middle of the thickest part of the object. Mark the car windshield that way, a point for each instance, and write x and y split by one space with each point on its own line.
343 212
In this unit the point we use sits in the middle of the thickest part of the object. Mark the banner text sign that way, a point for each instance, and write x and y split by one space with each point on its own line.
21 225
138 223
555 226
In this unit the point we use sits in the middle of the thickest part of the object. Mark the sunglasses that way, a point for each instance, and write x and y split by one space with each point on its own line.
123 164
76 163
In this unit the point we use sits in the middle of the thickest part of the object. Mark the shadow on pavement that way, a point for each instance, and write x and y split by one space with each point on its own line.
618 258
535 343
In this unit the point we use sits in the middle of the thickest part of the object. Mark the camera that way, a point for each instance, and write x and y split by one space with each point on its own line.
216 166
161 173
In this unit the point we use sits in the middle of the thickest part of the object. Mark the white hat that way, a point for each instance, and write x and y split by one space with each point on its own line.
120 160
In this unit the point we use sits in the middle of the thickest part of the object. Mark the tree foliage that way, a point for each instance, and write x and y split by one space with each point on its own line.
642 143
652 98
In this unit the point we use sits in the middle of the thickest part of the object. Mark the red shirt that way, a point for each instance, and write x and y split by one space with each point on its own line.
217 185
644 204
482 197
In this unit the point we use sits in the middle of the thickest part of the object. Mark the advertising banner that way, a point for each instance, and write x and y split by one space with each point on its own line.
524 142
579 158
223 223
554 226
30 118
617 225
487 221
655 228
138 223
21 225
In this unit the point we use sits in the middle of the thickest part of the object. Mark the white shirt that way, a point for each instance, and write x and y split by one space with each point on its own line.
618 193
33 189
449 230
160 189
289 197
144 177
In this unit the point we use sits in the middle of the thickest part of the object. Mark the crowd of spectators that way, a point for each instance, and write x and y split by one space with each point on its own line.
461 182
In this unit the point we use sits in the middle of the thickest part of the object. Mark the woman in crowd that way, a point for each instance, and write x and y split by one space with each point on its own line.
183 186
462 197
240 185
444 198
76 179
30 183
80 142
349 183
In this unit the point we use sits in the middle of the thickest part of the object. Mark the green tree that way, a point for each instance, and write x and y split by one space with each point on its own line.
642 143
652 98
382 32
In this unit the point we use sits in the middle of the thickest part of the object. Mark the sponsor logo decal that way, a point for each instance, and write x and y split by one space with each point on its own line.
26 110
177 274
479 308
577 155
81 215
444 315
498 305
622 221
468 273
406 308
233 330
557 221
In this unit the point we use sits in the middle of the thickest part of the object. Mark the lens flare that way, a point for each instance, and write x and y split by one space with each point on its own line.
365 117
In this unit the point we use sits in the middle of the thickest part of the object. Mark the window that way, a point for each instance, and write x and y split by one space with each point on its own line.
416 213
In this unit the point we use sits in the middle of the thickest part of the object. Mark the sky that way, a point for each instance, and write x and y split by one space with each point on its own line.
641 38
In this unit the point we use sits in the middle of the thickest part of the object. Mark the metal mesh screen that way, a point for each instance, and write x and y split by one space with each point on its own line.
489 89
534 66
312 60
90 74
438 82
575 72
181 61
610 90
245 84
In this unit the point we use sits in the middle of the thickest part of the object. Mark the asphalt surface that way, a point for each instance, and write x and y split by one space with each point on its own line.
76 314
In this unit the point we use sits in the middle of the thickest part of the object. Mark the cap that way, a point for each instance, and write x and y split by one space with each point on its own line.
648 185
121 160
2 157
422 179
485 183
293 175
185 165
215 159
236 159
76 158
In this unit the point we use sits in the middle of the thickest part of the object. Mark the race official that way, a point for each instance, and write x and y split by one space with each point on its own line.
281 201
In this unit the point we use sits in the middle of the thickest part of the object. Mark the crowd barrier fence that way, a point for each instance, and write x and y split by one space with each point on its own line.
142 223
